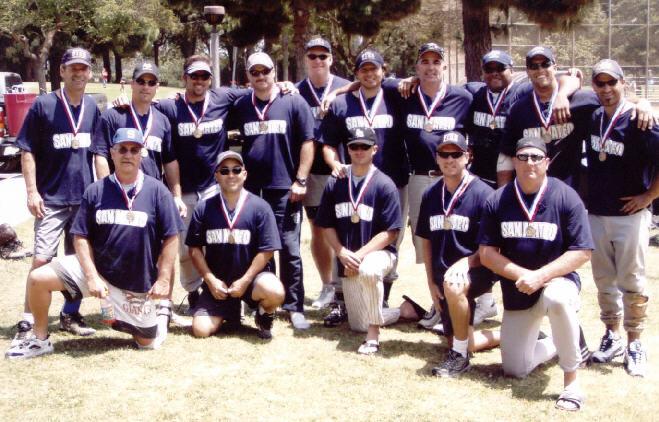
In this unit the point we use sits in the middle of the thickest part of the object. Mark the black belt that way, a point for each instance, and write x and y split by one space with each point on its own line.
431 173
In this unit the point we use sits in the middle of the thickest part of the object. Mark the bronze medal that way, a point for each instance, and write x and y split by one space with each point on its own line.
427 126
197 133
493 124
232 238
263 126
546 135
447 223
75 143
354 217
602 156
130 217
145 152
530 231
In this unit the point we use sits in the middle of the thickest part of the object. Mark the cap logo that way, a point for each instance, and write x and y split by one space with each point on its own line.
131 133
78 53
359 133
451 137
368 55
147 66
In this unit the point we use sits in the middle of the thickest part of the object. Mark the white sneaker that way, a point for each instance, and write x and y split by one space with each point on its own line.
484 311
636 359
438 329
325 297
430 319
30 348
298 321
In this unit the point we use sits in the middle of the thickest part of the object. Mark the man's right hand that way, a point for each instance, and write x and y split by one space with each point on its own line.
339 170
97 287
35 205
349 259
121 101
217 287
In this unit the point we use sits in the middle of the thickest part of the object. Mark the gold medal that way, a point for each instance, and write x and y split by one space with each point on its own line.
75 143
354 217
130 217
447 223
530 231
427 126
602 156
493 124
197 133
263 126
145 152
232 238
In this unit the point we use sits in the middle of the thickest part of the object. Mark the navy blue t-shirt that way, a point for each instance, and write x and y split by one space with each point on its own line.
630 165
319 166
254 231
158 146
272 156
561 224
379 211
567 139
62 171
126 252
449 246
196 157
345 113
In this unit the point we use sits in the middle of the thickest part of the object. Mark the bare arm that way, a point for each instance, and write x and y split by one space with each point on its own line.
85 254
348 258
643 200
216 286
160 289
567 85
331 158
173 177
330 97
101 166
34 201
306 159
435 294
377 243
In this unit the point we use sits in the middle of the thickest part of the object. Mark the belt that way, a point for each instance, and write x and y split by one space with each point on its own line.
430 173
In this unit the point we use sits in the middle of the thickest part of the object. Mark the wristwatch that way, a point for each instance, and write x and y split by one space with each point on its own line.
301 181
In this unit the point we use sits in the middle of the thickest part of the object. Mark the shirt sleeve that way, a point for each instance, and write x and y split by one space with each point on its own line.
423 221
489 233
168 216
83 221
30 130
510 136
102 136
577 232
267 231
391 216
304 119
168 153
196 230
330 128
326 216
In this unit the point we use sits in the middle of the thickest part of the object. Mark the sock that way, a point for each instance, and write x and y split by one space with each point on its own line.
71 307
27 316
486 298
461 346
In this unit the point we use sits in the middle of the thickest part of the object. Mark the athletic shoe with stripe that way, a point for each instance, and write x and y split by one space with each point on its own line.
610 347
30 348
337 315
636 359
325 297
23 332
453 366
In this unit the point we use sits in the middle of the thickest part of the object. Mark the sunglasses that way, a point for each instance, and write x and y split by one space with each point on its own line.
535 66
453 154
359 147
494 69
200 76
142 82
263 72
125 150
224 171
602 84
535 158
312 56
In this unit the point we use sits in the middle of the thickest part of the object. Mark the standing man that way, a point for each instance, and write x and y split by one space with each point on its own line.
126 224
239 234
278 132
361 217
57 167
623 180
314 88
534 234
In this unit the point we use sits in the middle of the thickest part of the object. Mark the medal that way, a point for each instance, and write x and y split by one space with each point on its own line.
370 114
197 133
530 213
146 131
602 156
130 215
530 231
604 134
319 101
493 124
144 153
545 121
75 126
263 126
231 222
448 208
261 115
447 223
75 144
427 126
354 216
428 111
494 108
232 239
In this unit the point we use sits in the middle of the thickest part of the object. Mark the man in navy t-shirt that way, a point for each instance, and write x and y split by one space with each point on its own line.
534 233
127 224
232 238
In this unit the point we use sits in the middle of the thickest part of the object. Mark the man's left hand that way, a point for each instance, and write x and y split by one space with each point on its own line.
529 282
180 206
159 290
298 192
561 111
635 203
238 287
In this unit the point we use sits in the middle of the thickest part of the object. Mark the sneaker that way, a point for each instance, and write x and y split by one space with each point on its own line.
325 298
586 357
430 319
438 329
636 359
75 324
30 348
610 348
298 321
264 324
484 311
23 332
369 347
336 316
454 365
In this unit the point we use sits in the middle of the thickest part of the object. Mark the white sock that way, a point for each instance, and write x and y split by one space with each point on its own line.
461 346
486 298
27 316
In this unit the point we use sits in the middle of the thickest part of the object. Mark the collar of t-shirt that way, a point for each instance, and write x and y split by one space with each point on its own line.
357 181
231 212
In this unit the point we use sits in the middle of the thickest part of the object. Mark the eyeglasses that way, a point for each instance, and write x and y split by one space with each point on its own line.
200 76
263 72
535 158
536 66
359 147
494 69
312 56
224 171
125 150
142 82
453 154
602 84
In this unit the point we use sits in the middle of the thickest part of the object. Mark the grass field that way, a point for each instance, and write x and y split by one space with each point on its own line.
315 375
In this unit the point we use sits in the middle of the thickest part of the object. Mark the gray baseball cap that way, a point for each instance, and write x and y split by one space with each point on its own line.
226 155
609 67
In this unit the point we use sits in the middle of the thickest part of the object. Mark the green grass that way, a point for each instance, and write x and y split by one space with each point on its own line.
314 375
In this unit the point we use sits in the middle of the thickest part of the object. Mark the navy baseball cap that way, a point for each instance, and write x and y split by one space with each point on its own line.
453 138
127 135
362 136
609 67
531 142
77 56
540 51
226 155
145 68
498 56
318 42
369 56
430 46
198 66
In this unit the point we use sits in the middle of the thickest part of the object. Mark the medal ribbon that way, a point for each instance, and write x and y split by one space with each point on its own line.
439 96
75 126
362 191
195 119
138 188
149 122
619 110
319 101
262 115
494 108
530 213
370 116
462 187
239 207
536 104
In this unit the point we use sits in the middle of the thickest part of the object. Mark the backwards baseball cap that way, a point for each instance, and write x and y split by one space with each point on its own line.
318 42
259 59
369 56
127 135
609 67
531 142
145 68
430 46
226 155
453 138
540 51
498 56
198 66
77 55
362 136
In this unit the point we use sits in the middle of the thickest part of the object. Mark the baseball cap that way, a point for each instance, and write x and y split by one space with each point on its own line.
77 55
369 56
198 66
610 67
318 42
531 142
125 134
540 51
453 138
430 46
362 136
498 56
145 68
226 155
259 59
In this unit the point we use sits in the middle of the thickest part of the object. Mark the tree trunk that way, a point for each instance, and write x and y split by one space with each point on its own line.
106 62
55 77
188 46
156 53
117 67
301 15
477 36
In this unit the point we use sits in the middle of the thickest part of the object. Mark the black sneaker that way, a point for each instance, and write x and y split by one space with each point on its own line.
454 365
610 347
264 324
23 332
75 324
336 316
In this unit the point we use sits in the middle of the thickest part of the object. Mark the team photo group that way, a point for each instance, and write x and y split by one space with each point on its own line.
518 180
